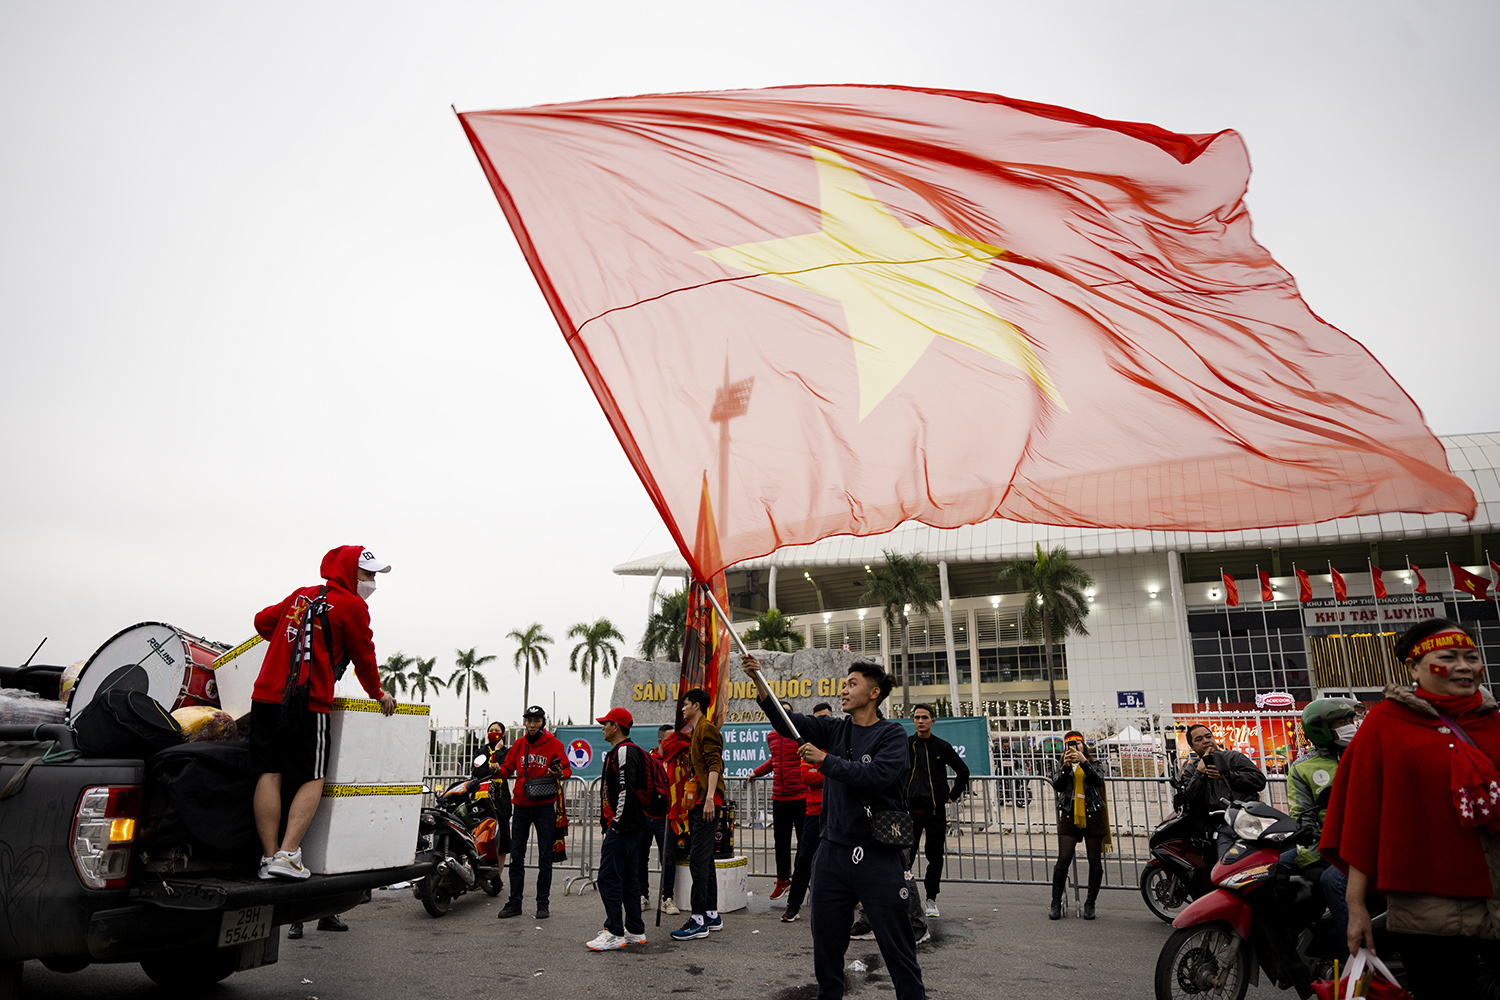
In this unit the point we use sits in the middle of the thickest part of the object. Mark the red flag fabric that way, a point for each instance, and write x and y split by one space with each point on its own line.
1267 593
1469 583
1495 571
1340 589
976 284
1421 587
705 654
1231 592
1304 585
1377 582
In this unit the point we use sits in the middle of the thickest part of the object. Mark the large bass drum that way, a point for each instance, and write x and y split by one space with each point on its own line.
170 665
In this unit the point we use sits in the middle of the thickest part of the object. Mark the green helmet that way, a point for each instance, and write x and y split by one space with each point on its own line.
1320 718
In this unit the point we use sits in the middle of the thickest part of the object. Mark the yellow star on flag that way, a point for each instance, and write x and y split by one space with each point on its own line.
900 286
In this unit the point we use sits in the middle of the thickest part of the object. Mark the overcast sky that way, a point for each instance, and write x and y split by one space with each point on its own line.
257 299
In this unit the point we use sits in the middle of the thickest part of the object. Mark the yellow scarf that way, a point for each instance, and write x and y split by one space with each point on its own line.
1080 815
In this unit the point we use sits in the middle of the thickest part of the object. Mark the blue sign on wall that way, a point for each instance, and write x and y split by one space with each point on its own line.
1132 699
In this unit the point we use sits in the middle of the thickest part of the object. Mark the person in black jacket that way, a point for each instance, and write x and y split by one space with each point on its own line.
1217 775
1082 814
928 795
864 762
623 818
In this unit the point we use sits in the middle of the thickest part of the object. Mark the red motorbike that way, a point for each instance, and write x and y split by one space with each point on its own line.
1261 917
1178 870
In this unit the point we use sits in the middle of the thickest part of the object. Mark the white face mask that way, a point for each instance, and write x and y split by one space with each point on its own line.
1346 732
365 589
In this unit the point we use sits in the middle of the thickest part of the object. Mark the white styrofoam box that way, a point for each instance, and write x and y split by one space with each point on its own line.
235 680
367 748
731 872
361 827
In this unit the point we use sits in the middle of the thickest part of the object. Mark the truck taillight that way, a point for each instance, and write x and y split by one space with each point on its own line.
104 833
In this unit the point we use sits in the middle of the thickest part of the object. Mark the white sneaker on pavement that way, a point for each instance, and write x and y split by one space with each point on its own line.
645 904
635 938
669 908
932 910
608 942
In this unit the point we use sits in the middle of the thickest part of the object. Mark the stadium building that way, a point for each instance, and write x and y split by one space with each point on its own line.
1160 630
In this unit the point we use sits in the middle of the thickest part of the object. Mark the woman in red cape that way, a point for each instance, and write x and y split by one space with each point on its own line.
1415 811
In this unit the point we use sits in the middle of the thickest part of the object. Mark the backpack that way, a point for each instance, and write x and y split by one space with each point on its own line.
125 723
656 797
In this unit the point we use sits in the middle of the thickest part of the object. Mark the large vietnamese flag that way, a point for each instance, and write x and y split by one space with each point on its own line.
945 307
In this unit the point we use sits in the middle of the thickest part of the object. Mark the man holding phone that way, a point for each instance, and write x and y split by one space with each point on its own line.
1216 775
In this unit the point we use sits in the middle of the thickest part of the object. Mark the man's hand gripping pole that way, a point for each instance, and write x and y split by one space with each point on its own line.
751 666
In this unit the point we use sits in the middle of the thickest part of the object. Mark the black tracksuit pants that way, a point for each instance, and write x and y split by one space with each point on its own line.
844 877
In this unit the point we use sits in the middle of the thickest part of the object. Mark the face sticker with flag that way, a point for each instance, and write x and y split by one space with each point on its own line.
946 303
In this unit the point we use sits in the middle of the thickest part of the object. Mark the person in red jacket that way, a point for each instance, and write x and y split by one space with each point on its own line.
811 833
1415 809
788 800
539 765
312 636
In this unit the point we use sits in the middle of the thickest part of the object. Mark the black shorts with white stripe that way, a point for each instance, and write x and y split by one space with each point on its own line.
298 752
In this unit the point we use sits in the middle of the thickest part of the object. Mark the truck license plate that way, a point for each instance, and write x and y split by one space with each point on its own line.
249 924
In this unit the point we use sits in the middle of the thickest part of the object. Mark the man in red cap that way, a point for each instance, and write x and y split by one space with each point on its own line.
624 823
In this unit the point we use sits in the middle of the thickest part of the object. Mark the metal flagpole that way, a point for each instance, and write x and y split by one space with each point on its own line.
1343 652
1266 628
1375 593
760 681
1302 623
1411 583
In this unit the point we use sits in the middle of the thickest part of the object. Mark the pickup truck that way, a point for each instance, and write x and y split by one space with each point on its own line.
73 890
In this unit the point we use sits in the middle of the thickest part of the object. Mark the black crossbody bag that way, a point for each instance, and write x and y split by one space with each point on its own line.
889 827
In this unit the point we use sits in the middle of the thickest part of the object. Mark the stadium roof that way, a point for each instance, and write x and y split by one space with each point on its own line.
1475 458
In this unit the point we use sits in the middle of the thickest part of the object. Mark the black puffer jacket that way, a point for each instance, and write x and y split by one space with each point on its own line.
1093 788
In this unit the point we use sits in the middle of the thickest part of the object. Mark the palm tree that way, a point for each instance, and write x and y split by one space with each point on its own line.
595 654
393 672
666 629
425 676
467 677
533 654
775 631
1055 604
904 585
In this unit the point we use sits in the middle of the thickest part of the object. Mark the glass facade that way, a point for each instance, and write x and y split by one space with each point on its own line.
1240 655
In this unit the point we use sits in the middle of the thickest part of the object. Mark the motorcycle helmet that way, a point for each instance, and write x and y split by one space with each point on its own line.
1322 717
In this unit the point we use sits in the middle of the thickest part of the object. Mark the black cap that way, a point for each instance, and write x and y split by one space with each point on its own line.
535 711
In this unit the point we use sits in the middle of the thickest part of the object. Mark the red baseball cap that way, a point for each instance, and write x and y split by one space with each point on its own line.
619 716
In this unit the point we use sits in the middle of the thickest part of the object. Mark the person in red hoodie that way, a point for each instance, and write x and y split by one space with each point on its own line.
312 636
788 800
539 765
811 834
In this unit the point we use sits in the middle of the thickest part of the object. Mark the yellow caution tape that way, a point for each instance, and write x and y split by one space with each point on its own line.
366 705
348 791
236 651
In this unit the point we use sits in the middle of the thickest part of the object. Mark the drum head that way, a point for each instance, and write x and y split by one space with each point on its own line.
147 657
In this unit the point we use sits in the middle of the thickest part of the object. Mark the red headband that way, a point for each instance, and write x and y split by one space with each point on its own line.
1443 640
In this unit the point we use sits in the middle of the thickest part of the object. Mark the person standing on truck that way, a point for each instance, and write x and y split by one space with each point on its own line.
540 766
313 635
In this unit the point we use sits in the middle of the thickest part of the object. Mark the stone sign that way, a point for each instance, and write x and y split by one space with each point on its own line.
648 689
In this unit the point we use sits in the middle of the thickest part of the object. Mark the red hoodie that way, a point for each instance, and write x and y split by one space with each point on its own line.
533 760
783 765
349 618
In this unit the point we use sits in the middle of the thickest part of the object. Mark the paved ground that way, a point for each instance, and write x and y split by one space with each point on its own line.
990 942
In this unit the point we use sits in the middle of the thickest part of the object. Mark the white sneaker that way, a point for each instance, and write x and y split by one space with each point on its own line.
926 936
669 908
645 903
932 910
635 938
607 942
285 865
265 868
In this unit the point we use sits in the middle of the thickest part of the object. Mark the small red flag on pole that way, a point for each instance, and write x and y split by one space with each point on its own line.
1266 593
1231 592
1304 585
1495 569
1340 589
1475 586
1377 581
1421 585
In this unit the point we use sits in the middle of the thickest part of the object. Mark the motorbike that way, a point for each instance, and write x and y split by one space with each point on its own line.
458 834
1261 916
1179 870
